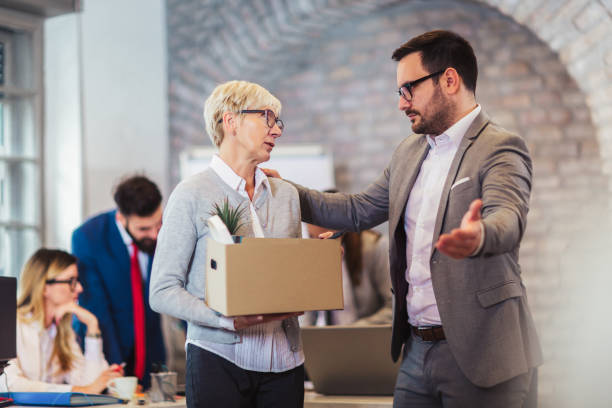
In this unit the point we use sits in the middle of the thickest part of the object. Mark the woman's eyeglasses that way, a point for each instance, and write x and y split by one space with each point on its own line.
72 282
271 118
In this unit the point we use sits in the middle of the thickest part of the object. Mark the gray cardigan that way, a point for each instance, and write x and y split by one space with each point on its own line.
178 278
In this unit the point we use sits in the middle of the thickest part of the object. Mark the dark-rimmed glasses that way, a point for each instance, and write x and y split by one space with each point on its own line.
405 90
271 118
71 281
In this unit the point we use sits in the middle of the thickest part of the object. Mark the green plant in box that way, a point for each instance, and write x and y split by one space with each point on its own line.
231 217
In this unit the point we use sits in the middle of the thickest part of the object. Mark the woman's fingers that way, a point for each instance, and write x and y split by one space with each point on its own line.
240 322
326 235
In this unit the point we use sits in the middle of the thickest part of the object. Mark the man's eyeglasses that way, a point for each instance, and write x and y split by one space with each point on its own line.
405 90
271 118
72 282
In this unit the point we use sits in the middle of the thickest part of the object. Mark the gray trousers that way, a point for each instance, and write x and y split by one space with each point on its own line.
430 377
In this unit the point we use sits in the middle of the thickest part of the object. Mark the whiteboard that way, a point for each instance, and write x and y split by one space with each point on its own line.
310 165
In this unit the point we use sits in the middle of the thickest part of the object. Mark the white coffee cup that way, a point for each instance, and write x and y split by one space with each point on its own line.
122 387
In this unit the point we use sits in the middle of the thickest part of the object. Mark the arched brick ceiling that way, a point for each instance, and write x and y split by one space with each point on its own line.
247 38
580 31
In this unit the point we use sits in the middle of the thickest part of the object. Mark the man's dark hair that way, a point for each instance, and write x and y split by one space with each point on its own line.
442 49
137 195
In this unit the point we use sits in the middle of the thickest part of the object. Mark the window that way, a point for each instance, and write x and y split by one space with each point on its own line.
20 142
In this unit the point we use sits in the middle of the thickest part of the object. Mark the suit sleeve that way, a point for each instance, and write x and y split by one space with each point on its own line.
94 296
506 187
341 211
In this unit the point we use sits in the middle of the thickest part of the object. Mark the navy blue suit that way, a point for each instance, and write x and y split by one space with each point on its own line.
104 272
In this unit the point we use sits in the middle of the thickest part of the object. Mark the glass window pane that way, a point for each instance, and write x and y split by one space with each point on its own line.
19 118
16 246
2 151
4 251
1 62
19 62
20 192
20 183
4 206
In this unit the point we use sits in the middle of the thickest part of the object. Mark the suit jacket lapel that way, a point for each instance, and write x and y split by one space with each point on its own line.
407 171
473 131
117 246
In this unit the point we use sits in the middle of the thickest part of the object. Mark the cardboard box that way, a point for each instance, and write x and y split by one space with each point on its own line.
272 275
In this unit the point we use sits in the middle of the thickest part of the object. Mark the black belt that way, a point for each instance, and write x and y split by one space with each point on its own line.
429 333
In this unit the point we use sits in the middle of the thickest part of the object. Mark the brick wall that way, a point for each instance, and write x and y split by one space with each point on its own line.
544 73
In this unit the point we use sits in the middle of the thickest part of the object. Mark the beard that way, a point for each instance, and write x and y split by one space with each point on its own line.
146 245
437 118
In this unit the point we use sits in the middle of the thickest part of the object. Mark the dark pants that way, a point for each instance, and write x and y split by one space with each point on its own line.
430 377
212 381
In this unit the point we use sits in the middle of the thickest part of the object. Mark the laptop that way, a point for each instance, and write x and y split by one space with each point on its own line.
8 319
350 360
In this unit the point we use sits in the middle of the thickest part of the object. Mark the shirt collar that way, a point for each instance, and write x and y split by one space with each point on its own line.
456 132
127 240
237 183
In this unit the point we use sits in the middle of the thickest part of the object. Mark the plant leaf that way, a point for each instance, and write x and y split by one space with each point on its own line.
231 217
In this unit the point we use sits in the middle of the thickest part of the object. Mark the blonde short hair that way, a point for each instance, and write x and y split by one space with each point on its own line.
234 96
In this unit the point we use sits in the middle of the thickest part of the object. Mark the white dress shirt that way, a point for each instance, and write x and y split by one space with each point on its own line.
420 218
33 372
263 347
143 257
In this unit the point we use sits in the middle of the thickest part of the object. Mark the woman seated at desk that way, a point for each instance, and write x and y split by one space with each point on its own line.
49 358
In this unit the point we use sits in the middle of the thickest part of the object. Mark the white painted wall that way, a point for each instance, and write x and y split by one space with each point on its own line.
124 95
106 109
63 176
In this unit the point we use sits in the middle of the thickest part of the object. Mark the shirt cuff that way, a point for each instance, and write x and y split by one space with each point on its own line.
93 348
482 238
227 323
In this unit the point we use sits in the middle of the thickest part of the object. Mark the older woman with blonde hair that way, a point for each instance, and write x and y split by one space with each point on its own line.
244 361
48 355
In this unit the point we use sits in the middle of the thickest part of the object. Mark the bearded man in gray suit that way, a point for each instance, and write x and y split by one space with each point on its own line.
456 195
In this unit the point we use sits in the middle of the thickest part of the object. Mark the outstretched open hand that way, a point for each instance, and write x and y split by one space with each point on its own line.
463 241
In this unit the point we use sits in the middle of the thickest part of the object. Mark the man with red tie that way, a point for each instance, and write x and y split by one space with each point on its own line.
115 252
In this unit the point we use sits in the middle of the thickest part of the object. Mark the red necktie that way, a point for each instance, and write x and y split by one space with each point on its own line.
139 315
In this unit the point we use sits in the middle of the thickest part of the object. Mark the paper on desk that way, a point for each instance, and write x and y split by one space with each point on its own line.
218 230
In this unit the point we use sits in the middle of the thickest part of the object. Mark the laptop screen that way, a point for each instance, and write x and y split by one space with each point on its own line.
350 360
8 318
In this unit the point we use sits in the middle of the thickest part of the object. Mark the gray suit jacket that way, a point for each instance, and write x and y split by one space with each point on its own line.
481 299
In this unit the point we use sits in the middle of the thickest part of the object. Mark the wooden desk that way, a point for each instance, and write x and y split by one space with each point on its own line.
180 402
314 400
311 400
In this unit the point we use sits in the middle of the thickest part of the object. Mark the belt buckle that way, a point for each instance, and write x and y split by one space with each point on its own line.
426 333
